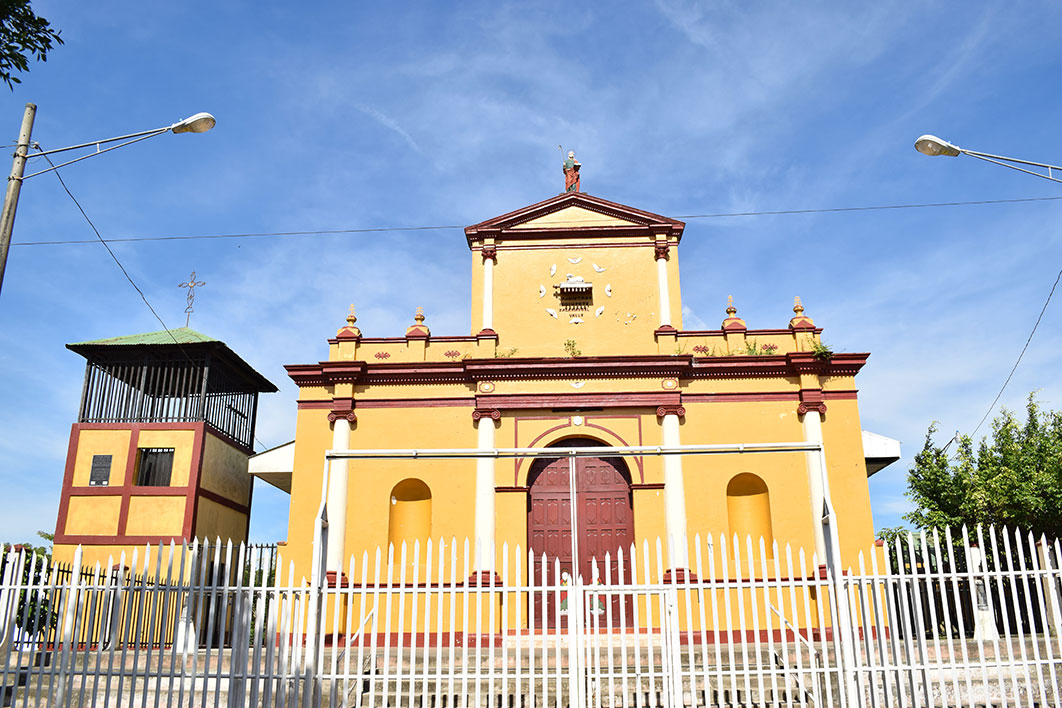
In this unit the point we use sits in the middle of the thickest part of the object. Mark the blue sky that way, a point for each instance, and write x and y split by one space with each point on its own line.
351 115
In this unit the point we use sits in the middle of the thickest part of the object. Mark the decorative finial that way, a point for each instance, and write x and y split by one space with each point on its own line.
418 330
732 323
192 284
800 320
349 331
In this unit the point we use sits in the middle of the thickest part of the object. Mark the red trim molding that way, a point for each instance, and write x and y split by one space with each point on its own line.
640 222
224 501
637 399
648 485
328 373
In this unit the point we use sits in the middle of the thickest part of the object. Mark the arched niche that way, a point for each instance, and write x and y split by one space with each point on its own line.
409 517
748 508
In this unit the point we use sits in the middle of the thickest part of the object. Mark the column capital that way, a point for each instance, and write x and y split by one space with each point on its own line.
661 250
670 409
811 399
492 413
342 408
489 253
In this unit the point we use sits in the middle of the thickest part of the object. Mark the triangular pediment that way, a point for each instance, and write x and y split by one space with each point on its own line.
574 211
573 216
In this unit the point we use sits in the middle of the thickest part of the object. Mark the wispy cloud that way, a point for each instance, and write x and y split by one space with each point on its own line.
389 123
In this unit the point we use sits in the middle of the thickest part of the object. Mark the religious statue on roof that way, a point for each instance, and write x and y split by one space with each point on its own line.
571 173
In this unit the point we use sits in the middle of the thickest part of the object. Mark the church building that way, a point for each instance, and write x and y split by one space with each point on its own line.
577 340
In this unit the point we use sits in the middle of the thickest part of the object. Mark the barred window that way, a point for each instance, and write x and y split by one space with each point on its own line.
153 467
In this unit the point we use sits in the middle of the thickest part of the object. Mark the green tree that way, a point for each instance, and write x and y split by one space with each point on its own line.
1013 478
23 35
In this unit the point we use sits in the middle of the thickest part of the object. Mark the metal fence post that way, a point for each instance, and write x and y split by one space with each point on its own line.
843 621
69 614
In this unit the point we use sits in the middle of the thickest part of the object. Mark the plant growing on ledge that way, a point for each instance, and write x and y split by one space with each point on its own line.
821 351
750 347
507 355
570 349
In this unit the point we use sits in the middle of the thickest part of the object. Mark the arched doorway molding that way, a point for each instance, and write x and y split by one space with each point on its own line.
598 434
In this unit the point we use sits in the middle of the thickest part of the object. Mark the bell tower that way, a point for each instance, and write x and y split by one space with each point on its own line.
159 451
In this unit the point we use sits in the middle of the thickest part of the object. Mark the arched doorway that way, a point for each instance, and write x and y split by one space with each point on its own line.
604 519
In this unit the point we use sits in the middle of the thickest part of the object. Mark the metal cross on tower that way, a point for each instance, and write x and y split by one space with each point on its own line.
192 284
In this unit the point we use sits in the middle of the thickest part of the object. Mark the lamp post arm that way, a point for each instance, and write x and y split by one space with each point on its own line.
97 143
1013 163
143 136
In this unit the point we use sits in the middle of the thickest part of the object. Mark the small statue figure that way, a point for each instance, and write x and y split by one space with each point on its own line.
571 173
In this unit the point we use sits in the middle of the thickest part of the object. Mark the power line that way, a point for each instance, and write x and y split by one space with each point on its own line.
446 227
1015 367
114 257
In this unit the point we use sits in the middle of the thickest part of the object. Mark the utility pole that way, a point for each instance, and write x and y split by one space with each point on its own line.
14 186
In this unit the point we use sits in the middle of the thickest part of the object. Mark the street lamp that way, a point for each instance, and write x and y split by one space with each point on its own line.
933 146
198 123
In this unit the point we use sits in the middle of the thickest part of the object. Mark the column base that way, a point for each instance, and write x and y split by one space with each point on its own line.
334 579
484 578
679 575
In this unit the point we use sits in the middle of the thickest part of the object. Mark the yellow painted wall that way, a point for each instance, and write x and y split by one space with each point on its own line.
215 521
224 470
183 444
101 442
371 481
156 516
96 516
626 324
843 441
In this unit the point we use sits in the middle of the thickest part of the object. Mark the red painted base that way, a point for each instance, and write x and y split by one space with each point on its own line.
337 579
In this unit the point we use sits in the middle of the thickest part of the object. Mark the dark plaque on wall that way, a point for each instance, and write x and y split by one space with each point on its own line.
101 471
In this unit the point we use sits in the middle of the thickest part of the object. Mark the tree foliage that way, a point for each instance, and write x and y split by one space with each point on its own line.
1013 478
24 35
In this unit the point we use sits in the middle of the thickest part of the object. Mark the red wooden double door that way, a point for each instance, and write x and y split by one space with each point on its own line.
604 524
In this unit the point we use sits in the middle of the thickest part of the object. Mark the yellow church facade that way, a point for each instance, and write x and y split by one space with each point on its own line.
577 341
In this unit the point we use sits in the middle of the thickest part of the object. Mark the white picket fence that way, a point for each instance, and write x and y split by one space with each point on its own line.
937 619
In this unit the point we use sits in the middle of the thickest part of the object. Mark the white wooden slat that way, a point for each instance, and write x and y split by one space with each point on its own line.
1002 579
1044 583
1029 580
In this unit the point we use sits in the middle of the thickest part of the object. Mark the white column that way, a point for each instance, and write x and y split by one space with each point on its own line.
665 293
337 498
813 434
674 492
484 530
488 289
